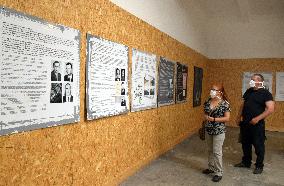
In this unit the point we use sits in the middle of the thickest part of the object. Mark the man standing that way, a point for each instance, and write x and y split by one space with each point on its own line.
55 75
69 74
257 105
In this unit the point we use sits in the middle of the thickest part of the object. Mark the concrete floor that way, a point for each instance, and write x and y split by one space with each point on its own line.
183 164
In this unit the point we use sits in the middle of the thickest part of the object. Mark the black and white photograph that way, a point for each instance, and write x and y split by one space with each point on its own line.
68 72
56 71
122 88
122 74
56 93
117 74
67 97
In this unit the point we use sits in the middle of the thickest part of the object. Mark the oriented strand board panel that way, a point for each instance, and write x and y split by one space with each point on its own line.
104 151
230 72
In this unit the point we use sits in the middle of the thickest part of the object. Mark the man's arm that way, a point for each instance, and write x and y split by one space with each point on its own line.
270 107
239 116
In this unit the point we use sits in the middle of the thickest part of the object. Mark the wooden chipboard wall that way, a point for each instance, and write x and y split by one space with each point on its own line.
230 72
104 151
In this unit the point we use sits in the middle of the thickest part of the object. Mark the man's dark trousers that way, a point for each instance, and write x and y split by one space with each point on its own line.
253 135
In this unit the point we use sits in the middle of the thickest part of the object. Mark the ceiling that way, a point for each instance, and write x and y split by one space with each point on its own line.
237 10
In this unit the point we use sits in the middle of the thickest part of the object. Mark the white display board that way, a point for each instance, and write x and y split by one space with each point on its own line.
144 81
279 86
107 78
268 80
39 73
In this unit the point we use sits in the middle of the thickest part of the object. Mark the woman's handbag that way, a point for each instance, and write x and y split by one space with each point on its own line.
202 130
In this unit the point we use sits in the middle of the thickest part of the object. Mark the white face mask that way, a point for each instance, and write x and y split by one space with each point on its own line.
252 84
213 93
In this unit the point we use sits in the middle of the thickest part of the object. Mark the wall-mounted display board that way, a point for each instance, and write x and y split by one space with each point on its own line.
279 96
107 78
39 73
197 86
268 80
181 82
144 81
166 82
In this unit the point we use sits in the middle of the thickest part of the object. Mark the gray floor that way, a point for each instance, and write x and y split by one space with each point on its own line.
183 164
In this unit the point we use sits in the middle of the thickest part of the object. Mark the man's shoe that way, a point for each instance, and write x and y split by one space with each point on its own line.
216 178
258 170
242 165
207 171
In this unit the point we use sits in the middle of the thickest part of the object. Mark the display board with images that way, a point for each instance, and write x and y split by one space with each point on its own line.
268 80
39 73
166 82
144 81
197 86
181 82
279 96
107 78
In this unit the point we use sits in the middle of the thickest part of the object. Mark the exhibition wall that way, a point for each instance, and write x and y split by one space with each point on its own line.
107 150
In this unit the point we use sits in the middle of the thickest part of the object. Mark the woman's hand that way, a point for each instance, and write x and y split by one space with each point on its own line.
209 118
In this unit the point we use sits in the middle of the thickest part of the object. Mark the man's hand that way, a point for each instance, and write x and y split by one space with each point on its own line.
254 121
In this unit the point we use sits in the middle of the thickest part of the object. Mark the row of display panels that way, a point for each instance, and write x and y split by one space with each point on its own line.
40 75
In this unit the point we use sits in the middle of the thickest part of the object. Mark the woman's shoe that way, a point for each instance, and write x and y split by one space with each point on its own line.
207 171
216 178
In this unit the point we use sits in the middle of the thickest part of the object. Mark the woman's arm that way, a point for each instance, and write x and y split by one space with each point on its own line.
226 118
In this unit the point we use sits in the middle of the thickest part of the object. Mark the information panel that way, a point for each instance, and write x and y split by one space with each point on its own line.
39 73
166 82
144 80
279 86
107 78
197 86
181 82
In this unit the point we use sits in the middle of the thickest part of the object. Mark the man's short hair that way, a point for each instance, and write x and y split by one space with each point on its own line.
69 64
55 62
260 76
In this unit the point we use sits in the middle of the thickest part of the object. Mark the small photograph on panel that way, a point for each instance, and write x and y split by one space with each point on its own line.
67 97
117 74
55 71
152 91
123 102
152 81
122 88
68 72
56 93
122 74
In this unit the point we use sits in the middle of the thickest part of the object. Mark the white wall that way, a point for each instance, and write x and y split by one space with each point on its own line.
260 37
219 29
172 17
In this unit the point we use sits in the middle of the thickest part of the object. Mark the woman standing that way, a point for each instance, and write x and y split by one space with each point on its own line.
217 112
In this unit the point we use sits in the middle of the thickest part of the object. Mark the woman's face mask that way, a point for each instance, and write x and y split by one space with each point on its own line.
213 93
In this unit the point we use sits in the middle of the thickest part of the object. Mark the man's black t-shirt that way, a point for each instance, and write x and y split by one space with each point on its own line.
254 103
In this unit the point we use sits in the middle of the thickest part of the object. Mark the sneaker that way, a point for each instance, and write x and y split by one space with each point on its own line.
207 171
258 170
242 165
216 178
